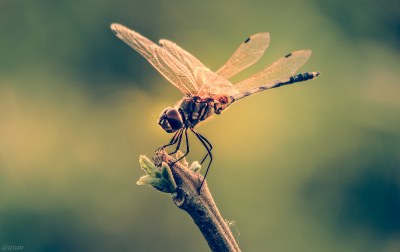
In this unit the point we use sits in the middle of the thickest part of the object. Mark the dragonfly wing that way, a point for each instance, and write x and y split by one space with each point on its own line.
196 68
215 84
171 68
206 81
278 71
248 53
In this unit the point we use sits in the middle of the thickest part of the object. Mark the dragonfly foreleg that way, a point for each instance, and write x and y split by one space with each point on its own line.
176 138
187 145
173 140
178 145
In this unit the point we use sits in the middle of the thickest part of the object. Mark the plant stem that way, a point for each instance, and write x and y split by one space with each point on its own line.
200 206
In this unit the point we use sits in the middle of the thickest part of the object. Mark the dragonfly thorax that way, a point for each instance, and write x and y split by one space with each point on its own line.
195 109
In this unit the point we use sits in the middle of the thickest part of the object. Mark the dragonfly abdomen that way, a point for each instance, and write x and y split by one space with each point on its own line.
298 78
293 79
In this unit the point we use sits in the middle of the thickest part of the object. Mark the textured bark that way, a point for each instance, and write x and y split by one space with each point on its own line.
200 206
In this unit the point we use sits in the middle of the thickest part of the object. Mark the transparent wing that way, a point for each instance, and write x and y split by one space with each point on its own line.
280 70
171 68
215 84
206 81
248 53
195 67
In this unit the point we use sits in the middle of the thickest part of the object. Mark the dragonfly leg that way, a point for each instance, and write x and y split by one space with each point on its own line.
208 147
187 146
178 145
173 140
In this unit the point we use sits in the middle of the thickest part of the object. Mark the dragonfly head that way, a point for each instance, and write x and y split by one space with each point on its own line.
170 120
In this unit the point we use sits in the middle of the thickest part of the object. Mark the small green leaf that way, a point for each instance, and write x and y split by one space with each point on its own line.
146 180
169 178
147 165
161 179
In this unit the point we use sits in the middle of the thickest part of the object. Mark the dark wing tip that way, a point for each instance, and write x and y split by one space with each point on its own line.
302 53
265 35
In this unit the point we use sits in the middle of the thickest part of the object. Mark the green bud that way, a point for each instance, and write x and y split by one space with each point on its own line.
160 178
195 166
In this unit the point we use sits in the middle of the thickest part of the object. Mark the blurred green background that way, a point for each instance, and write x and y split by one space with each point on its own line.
311 167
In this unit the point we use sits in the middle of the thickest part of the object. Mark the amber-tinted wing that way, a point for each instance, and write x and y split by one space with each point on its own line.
168 65
206 81
248 53
279 71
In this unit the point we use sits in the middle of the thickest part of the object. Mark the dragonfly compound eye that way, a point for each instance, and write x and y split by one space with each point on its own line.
170 120
174 118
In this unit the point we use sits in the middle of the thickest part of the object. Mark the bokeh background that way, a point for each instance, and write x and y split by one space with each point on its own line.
311 167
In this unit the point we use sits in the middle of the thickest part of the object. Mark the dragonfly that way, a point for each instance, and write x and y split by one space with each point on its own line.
208 93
